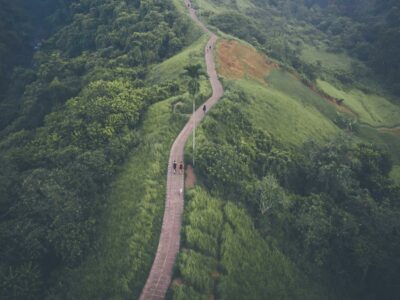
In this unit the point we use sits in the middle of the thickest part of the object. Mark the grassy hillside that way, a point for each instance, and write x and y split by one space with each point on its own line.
283 116
371 109
308 171
224 257
131 224
312 202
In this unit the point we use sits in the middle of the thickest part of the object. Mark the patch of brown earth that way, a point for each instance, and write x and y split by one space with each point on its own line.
215 275
236 60
190 178
394 131
177 282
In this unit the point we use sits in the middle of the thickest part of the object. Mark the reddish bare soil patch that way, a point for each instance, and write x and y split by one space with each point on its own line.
394 131
236 60
215 275
177 282
190 179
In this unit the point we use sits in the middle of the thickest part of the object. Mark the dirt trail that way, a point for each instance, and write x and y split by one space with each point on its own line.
160 275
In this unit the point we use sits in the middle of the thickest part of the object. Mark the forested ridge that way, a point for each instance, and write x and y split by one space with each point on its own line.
72 117
295 195
367 30
23 24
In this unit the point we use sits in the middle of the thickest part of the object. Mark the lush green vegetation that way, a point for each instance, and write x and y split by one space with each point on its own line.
118 265
225 256
298 200
317 37
23 25
370 108
288 109
330 210
68 224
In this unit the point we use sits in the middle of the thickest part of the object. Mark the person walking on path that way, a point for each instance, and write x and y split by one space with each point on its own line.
174 166
181 167
204 108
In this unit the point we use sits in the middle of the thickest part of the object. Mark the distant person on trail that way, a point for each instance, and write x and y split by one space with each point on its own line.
204 108
174 166
181 167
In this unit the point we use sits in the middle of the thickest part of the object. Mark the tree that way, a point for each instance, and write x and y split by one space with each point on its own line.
269 194
193 72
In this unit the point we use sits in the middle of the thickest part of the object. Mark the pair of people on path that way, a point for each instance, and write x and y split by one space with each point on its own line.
174 165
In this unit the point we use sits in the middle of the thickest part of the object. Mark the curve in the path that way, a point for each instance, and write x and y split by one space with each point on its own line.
161 271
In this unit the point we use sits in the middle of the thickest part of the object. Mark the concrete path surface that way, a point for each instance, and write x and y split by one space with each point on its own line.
168 247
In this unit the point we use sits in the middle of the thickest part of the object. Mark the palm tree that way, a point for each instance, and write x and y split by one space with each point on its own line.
193 72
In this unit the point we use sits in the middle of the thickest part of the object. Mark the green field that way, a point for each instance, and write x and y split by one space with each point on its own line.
330 62
291 118
371 109
223 5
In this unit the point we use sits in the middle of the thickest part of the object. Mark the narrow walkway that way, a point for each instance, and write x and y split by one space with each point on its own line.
161 272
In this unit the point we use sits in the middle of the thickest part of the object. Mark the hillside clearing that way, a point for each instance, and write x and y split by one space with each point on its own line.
236 60
285 117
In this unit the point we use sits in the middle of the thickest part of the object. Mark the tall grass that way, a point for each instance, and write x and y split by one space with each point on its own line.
371 109
291 119
245 267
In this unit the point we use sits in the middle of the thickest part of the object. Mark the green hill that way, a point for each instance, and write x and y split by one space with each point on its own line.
307 144
297 166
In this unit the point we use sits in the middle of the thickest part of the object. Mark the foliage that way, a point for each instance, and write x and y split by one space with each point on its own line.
77 112
245 266
365 30
321 205
119 263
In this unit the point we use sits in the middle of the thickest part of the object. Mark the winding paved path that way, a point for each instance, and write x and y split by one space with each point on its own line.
161 271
